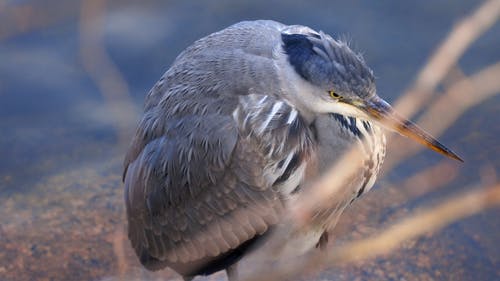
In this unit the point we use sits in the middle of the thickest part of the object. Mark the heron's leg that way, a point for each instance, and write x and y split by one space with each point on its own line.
232 272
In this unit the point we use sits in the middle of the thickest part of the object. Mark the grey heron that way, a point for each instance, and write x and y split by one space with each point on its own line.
228 134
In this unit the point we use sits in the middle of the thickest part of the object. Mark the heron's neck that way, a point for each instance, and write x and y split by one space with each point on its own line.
370 134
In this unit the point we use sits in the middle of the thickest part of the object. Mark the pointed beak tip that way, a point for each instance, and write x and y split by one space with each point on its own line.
439 148
458 158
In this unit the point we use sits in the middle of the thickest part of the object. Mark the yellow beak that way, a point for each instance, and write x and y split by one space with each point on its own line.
381 111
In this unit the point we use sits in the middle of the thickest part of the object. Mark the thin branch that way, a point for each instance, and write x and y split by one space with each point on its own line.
118 239
426 180
102 70
447 55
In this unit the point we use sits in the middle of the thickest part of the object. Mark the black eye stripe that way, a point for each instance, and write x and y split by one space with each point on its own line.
299 50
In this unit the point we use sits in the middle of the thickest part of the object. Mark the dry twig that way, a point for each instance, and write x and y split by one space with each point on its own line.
118 239
447 54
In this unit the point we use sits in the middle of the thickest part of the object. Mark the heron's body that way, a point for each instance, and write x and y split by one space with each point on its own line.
226 143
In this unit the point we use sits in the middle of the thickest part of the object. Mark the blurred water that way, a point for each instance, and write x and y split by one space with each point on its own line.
60 189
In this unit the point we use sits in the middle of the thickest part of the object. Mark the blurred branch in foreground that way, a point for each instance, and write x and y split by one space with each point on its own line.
119 239
425 181
432 219
446 55
103 71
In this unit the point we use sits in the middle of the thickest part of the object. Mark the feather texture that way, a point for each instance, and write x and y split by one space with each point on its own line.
223 145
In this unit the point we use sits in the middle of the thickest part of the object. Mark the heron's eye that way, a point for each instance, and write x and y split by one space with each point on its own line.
334 95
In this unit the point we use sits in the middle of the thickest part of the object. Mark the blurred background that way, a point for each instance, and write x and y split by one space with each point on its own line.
73 76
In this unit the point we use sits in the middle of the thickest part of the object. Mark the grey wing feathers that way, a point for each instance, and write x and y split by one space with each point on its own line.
199 174
182 190
202 192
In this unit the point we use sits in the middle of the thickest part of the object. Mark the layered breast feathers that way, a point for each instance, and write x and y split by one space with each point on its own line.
337 134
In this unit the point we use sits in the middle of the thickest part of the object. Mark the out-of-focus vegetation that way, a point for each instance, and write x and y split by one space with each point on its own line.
73 75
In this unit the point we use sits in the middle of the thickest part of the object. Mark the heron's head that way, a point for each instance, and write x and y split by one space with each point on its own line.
335 79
